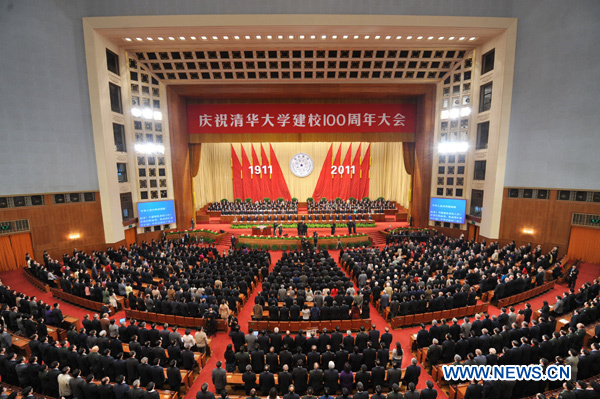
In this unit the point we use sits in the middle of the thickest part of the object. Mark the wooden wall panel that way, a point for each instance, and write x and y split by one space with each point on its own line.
51 224
421 186
550 220
180 162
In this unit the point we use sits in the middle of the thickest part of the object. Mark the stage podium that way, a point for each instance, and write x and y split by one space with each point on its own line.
262 230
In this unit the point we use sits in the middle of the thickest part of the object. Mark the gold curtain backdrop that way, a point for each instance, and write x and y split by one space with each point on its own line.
389 179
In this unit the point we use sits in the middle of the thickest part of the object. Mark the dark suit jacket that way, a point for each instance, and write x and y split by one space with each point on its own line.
428 393
219 378
474 391
412 374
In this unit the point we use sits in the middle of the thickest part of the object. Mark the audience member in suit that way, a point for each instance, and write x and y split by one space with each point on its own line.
204 393
412 373
219 378
411 392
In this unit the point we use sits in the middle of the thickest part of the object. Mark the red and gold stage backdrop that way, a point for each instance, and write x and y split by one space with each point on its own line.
224 171
301 118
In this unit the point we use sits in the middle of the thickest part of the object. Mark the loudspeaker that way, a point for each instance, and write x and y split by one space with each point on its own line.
581 196
36 200
564 195
89 197
19 201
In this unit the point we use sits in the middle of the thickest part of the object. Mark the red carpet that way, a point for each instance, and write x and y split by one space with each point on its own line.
17 281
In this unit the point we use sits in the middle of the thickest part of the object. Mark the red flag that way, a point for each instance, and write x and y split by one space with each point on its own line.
355 175
278 185
324 181
236 170
336 181
266 177
345 180
246 176
365 171
257 188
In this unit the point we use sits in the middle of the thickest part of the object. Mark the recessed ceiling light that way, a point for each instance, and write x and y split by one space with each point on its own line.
215 37
451 38
247 37
149 39
181 38
388 37
356 36
226 37
398 37
462 38
280 36
193 37
301 36
323 36
334 37
127 39
269 37
313 37
236 37
171 38
258 37
377 37
203 37
419 37
441 38
367 37
472 38
290 36
160 38
345 37
430 38
408 37
139 39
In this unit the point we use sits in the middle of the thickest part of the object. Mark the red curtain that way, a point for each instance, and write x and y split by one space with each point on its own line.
7 256
583 244
345 178
324 178
21 245
278 184
355 177
334 189
238 186
247 176
257 178
266 181
365 174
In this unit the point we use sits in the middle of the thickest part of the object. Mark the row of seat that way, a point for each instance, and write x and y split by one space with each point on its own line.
413 319
345 325
307 218
523 296
79 301
33 280
159 318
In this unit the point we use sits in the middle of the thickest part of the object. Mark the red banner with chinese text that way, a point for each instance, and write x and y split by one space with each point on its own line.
301 118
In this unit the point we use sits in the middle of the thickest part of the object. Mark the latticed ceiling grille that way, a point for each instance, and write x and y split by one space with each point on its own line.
410 64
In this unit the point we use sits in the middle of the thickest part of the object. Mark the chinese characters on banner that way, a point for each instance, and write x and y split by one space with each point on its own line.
301 118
